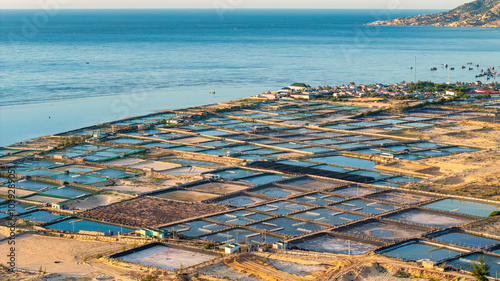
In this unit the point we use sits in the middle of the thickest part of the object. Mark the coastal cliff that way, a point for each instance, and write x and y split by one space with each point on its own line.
480 13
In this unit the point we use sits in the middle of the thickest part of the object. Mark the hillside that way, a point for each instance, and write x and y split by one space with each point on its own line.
480 13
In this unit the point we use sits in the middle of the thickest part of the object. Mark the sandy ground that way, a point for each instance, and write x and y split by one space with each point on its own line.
295 268
154 165
135 185
491 225
19 192
192 140
33 251
390 232
187 196
167 258
172 182
97 200
64 168
221 270
335 245
469 174
124 161
46 199
431 219
186 171
219 187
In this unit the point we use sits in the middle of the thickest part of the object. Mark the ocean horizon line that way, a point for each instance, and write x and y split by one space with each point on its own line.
212 8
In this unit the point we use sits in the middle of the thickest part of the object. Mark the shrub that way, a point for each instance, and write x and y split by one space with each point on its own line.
480 270
209 245
149 277
494 214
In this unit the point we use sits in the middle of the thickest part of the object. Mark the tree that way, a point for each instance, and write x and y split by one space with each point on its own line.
149 277
494 214
480 270
209 245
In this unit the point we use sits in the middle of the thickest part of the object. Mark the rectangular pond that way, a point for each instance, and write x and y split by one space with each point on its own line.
281 208
415 251
195 228
327 216
239 235
365 207
401 197
463 207
262 179
308 182
76 225
464 239
240 217
112 173
385 231
241 200
164 257
346 161
40 216
67 192
466 263
33 185
77 178
429 218
275 191
286 226
232 174
318 199
328 243
19 208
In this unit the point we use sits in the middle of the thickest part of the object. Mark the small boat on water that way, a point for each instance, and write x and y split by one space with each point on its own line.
469 63
213 93
452 68
433 68
470 68
463 66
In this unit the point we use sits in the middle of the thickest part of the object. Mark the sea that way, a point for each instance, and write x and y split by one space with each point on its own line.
65 69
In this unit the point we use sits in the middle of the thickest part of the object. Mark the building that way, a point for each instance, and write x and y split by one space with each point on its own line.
493 93
152 232
303 96
299 86
280 245
230 248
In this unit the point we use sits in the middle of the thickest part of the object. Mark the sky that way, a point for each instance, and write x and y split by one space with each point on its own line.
232 4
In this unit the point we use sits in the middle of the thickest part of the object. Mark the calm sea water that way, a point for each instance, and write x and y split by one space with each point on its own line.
80 67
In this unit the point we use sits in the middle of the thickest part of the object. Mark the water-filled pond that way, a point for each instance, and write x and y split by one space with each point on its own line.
75 224
463 207
417 250
346 161
464 239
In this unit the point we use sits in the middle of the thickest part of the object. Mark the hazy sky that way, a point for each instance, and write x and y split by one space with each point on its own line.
291 4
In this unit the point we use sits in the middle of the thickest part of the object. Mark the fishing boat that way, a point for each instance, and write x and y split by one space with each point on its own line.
213 93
